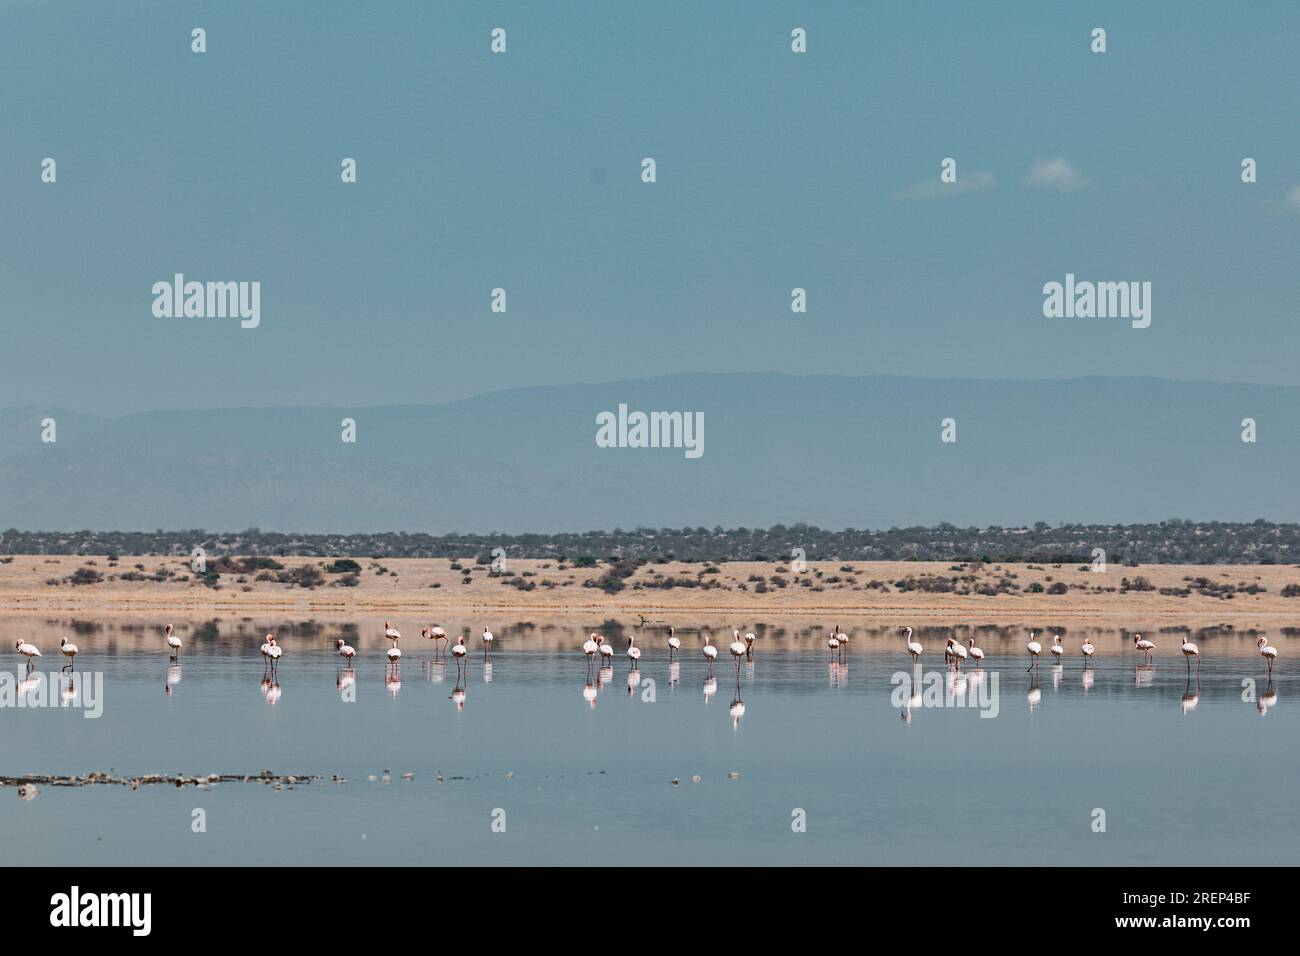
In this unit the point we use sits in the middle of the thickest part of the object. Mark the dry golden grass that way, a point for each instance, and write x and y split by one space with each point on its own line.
429 588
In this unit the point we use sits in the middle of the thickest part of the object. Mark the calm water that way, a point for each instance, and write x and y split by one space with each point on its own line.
1208 780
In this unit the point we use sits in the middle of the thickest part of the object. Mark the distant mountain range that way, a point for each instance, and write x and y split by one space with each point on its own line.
833 451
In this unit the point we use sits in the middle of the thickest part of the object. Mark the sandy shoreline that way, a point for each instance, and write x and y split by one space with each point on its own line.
430 588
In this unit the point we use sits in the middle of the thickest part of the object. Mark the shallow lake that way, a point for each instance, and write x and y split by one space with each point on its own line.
538 764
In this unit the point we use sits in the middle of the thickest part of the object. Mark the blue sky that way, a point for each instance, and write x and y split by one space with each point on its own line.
522 170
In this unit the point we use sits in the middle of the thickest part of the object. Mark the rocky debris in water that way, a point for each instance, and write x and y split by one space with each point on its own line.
696 778
676 781
733 775
27 791
408 776
149 779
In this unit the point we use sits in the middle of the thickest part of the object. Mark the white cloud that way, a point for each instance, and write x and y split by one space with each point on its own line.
1059 174
935 189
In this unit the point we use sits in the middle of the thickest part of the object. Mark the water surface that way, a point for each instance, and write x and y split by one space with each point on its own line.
1184 774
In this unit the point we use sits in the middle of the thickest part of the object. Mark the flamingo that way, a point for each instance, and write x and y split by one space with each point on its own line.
976 654
69 651
737 651
487 643
633 652
27 650
1268 652
833 642
394 654
674 644
710 653
1057 649
1034 649
274 653
1088 650
843 640
749 645
173 642
589 647
913 647
1190 650
346 651
958 652
1143 645
391 633
459 650
266 651
606 652
434 634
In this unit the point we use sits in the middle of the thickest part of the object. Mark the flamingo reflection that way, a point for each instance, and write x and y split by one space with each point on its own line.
346 683
435 671
1267 699
736 710
1191 697
458 692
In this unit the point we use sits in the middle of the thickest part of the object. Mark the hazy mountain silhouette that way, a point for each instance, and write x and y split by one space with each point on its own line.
828 450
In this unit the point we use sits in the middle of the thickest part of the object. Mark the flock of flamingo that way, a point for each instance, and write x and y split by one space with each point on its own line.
597 648
955 653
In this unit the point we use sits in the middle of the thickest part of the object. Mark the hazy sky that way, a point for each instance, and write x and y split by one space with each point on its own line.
522 170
